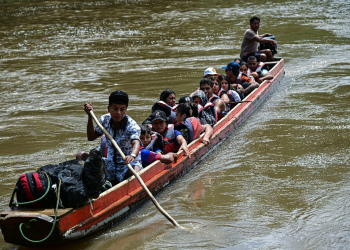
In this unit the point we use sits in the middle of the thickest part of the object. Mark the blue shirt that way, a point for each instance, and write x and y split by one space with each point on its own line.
123 136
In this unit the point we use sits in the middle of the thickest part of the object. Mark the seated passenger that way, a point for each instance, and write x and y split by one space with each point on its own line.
225 85
206 113
244 69
251 40
189 125
166 103
257 70
168 139
206 85
243 85
217 90
147 156
210 72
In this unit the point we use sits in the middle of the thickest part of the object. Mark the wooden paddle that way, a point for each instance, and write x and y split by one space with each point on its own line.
135 174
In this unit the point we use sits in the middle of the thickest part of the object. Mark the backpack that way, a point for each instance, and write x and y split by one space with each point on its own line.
269 45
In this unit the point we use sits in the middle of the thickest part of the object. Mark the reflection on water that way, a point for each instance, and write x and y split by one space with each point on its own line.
280 181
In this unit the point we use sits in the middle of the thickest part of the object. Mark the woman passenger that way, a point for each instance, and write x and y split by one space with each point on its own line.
225 85
189 125
166 102
217 90
206 113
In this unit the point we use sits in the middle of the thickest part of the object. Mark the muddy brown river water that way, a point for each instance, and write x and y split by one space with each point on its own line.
280 181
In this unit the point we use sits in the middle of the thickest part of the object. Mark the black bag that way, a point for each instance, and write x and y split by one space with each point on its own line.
95 174
78 183
269 45
32 186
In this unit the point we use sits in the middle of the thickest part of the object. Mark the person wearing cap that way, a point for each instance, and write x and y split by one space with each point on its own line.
210 72
124 131
251 40
242 83
168 139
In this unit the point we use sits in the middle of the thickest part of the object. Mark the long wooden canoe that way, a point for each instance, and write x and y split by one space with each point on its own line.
118 202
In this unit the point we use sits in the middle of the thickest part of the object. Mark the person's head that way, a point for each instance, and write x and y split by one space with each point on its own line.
252 63
186 99
206 85
145 136
168 96
238 60
186 110
255 23
118 104
225 82
210 72
232 69
159 121
199 98
244 68
216 84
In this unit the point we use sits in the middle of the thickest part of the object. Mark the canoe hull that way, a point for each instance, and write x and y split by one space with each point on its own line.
116 204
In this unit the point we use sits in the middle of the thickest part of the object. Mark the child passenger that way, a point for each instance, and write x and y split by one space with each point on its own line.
147 156
168 139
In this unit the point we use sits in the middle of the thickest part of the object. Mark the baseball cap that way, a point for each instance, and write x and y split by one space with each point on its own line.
158 115
210 71
232 66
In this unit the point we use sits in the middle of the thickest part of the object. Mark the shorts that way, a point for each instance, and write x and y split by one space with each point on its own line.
256 54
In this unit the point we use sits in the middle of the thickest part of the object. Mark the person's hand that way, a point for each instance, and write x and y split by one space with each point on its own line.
176 156
240 87
273 42
184 148
128 159
205 141
88 108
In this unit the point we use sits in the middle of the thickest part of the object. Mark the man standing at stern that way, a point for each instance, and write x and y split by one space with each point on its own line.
251 40
124 131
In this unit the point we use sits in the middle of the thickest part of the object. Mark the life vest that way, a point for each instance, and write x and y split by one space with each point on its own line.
193 126
205 110
259 68
213 98
167 143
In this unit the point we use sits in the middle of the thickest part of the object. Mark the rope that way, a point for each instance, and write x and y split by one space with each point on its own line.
27 225
42 197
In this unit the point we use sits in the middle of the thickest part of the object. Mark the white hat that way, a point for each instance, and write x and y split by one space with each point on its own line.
210 71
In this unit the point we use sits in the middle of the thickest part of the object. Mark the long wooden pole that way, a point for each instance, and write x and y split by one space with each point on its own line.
136 174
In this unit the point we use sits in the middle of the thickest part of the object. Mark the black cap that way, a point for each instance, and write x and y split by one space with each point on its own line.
185 99
119 97
158 115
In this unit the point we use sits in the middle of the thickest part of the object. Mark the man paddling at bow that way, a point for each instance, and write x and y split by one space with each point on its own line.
124 131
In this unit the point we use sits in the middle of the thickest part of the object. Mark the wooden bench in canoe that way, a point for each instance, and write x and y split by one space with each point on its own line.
118 202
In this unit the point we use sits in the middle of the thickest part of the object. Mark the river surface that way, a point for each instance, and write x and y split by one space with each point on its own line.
280 181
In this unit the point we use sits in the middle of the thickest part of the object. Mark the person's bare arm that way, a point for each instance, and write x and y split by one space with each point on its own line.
183 145
265 77
168 158
225 98
262 40
220 105
265 35
90 130
208 134
135 150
